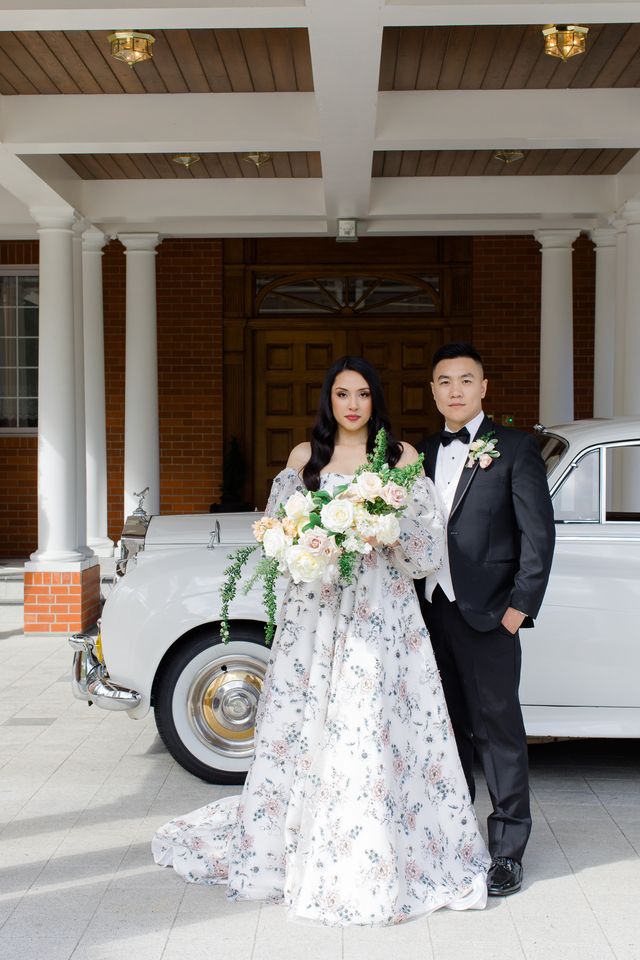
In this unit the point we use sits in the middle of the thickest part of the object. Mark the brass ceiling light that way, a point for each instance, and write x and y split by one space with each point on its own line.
257 158
131 47
508 156
186 159
565 42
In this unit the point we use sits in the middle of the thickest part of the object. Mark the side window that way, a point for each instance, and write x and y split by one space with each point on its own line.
623 483
578 499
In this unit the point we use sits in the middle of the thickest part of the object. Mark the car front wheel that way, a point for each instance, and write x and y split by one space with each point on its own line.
205 702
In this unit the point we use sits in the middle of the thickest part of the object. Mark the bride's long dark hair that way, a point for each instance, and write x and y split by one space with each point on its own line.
324 430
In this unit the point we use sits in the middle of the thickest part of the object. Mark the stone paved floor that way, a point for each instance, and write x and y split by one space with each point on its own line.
81 792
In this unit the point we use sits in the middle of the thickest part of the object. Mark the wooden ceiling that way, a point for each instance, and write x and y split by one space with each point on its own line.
184 61
160 166
279 60
505 58
482 163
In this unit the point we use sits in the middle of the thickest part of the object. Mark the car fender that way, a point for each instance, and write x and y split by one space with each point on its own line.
163 596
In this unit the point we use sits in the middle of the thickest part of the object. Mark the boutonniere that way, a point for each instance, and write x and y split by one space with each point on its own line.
483 451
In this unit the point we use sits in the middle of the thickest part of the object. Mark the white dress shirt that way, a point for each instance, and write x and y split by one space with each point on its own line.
450 463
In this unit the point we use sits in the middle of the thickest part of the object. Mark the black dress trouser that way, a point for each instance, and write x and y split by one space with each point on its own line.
480 674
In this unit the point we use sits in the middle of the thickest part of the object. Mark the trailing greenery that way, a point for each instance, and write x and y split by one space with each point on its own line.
230 587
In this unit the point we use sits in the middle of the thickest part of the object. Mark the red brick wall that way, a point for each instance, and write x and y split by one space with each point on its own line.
584 304
114 300
506 323
18 455
189 301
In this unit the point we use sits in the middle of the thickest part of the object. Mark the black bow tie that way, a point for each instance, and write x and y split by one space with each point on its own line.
462 435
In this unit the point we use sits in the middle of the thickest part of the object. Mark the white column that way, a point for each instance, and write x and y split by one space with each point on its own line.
141 428
604 239
96 432
78 350
620 226
556 326
57 461
631 380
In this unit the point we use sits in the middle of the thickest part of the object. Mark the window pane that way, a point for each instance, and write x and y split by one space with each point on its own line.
623 483
551 449
28 413
28 288
8 412
8 382
7 321
28 352
28 382
28 321
8 291
8 355
578 499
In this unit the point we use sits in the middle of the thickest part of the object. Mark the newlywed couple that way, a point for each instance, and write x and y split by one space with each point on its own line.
358 806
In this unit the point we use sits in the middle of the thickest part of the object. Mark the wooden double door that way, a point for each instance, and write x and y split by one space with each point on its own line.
289 366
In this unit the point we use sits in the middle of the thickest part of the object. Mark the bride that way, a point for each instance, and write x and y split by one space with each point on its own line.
355 809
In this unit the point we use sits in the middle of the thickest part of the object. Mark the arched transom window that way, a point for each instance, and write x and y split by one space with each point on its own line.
355 295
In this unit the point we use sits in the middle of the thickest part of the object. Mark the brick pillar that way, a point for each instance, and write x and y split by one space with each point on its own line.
58 601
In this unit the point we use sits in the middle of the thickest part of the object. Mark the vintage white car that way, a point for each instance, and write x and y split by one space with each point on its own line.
159 644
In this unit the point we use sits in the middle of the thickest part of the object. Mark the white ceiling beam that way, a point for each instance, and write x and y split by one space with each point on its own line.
400 13
492 196
461 225
486 119
145 201
159 123
345 40
24 184
196 14
224 227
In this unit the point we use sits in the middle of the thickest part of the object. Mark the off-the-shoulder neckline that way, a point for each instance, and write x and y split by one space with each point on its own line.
326 473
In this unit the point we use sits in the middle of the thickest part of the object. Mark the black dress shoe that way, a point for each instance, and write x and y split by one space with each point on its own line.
504 877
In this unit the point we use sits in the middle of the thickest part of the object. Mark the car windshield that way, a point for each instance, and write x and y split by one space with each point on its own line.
552 448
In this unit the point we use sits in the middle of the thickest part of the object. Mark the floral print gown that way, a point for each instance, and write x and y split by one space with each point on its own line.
355 809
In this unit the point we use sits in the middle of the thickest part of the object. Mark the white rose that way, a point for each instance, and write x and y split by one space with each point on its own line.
394 495
369 485
366 523
297 506
275 542
337 515
303 566
388 529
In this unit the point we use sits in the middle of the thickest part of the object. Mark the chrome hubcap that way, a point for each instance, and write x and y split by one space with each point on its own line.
222 703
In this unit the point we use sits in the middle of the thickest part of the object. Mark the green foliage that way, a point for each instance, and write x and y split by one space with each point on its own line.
230 587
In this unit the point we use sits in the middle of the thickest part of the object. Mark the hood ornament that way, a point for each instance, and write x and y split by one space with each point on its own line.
140 511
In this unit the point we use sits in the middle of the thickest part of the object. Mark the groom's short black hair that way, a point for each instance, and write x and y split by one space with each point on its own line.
451 351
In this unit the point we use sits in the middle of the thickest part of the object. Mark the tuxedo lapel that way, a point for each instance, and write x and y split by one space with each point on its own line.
430 454
468 473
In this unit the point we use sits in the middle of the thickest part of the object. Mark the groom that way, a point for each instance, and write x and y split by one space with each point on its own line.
500 537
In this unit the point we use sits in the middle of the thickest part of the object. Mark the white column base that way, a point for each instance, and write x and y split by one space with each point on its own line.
55 556
102 546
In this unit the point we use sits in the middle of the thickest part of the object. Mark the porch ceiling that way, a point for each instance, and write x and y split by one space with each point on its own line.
374 111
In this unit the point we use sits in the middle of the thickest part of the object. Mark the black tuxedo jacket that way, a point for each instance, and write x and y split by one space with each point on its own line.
501 529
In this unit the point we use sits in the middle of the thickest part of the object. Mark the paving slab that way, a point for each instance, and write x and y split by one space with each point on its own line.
82 791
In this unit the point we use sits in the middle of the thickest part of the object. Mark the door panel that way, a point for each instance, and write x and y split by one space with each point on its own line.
289 370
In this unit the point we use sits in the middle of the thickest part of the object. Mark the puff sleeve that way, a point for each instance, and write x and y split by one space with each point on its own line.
285 483
420 546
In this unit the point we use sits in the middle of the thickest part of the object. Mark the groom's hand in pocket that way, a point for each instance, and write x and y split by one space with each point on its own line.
512 619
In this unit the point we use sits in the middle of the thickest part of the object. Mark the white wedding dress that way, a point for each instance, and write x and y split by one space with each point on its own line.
355 809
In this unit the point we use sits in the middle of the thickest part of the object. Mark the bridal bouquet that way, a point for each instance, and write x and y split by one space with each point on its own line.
319 536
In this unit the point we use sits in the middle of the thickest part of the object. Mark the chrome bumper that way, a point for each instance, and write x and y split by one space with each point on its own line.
90 680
